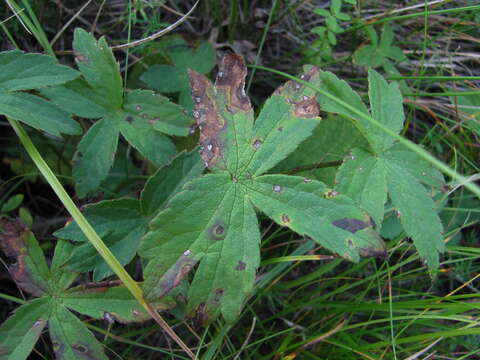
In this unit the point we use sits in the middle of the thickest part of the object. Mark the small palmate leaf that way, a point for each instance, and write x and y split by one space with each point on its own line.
142 117
30 271
211 223
71 339
20 332
120 223
392 169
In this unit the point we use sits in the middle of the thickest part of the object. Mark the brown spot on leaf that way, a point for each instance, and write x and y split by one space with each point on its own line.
280 128
330 194
217 231
257 143
291 90
218 295
129 119
241 266
13 241
231 79
285 219
206 116
351 225
176 273
307 108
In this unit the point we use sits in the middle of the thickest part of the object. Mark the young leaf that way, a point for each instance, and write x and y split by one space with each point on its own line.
174 78
121 224
20 71
212 222
368 176
379 53
142 117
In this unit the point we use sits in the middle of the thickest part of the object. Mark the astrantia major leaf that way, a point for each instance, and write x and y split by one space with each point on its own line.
212 222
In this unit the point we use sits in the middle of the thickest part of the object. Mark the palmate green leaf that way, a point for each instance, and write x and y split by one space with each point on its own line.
142 117
121 225
20 332
389 169
378 53
212 223
70 337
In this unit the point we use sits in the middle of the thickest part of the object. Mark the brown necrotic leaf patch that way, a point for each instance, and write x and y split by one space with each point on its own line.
177 273
231 79
293 90
307 108
13 242
206 116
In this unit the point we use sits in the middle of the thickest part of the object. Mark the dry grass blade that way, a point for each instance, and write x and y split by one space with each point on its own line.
157 34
